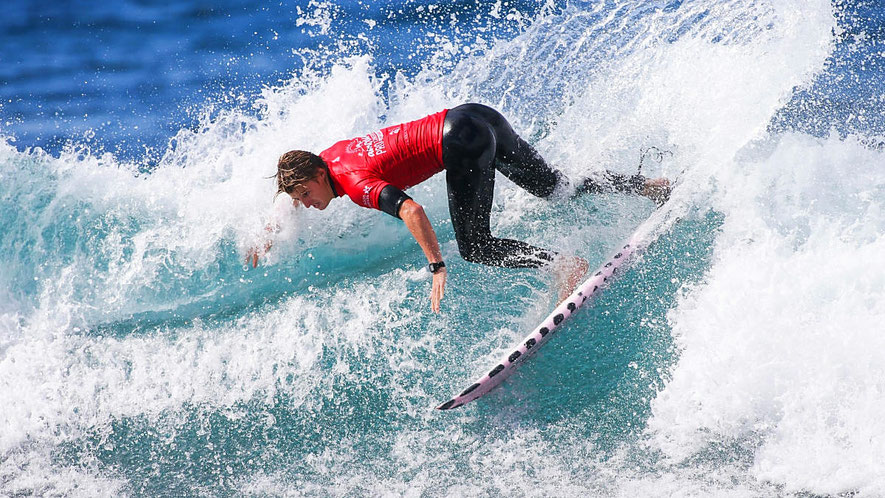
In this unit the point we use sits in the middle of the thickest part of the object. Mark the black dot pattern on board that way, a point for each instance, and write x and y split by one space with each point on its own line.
598 274
614 271
448 404
544 331
529 343
605 279
558 319
580 293
608 264
595 287
584 300
470 389
572 306
513 356
495 371
627 246
618 255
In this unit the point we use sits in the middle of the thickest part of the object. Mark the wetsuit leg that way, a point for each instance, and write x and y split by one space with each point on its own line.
470 147
477 140
514 157
522 164
611 182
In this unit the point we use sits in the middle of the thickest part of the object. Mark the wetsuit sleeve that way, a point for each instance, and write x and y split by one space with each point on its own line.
391 199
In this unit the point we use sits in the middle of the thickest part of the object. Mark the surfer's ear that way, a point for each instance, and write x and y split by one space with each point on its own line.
323 177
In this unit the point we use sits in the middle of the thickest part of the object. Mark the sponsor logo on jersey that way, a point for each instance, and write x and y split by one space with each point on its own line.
366 190
373 143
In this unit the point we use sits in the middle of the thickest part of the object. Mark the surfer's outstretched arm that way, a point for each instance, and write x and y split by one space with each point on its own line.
416 221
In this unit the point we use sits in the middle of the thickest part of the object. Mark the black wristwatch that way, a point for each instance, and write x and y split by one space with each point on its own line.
435 267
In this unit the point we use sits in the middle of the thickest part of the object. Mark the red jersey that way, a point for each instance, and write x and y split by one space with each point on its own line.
403 155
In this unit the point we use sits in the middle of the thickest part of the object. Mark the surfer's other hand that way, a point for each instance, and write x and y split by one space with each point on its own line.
252 257
256 252
438 290
656 189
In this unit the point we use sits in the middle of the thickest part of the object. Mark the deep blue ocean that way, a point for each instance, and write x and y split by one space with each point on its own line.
742 355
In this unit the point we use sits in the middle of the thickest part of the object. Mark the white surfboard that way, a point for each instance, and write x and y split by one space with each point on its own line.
584 294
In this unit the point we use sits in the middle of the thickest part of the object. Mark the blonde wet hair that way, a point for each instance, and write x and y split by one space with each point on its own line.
296 168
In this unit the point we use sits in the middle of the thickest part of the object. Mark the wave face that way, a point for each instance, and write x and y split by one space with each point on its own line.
742 356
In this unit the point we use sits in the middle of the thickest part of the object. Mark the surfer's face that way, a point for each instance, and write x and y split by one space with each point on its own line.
316 193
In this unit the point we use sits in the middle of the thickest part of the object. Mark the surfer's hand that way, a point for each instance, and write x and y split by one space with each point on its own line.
256 252
252 257
438 290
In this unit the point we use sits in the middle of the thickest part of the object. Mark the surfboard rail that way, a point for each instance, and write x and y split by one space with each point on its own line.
586 292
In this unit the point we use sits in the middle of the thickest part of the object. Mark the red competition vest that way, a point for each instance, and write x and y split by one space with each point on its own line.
403 156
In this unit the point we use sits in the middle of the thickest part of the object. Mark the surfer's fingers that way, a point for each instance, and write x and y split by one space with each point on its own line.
437 292
434 300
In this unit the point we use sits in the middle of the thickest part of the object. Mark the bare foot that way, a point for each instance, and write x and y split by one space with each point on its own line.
656 189
567 273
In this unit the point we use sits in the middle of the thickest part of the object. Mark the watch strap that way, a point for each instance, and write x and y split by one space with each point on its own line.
435 267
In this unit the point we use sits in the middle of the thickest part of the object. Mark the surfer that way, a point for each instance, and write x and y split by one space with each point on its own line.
469 142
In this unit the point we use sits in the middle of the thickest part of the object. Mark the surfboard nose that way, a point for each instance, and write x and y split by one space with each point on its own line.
448 405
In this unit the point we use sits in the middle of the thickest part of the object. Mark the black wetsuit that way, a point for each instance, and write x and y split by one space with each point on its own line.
477 140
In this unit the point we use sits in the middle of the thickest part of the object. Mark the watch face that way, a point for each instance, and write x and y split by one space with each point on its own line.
434 267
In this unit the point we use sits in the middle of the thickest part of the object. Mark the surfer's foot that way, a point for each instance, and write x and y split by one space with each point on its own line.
656 189
567 274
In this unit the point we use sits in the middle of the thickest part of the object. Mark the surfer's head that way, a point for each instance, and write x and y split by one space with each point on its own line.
304 177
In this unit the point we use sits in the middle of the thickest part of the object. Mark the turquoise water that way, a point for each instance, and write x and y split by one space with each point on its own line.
741 355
